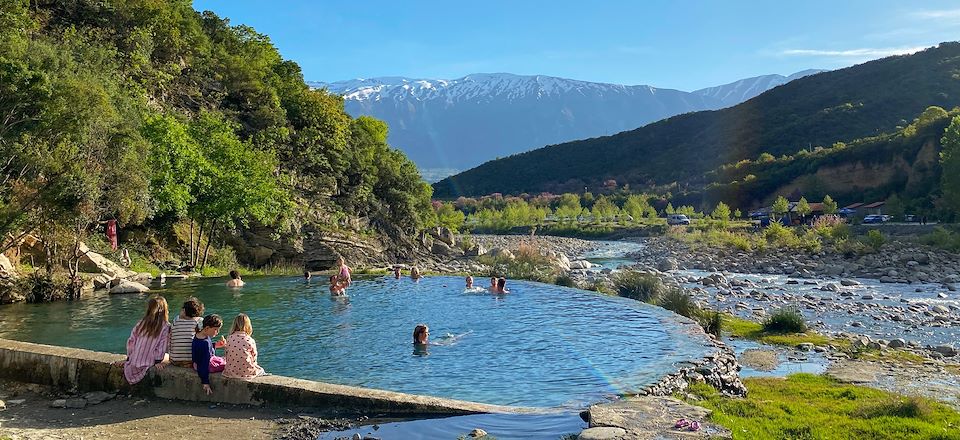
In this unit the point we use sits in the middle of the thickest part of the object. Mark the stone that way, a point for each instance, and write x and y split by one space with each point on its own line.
3 406
849 283
7 269
667 264
129 287
805 346
446 235
102 281
478 433
93 262
356 436
98 397
59 403
939 309
476 251
501 253
76 403
830 287
580 264
602 433
440 248
897 343
945 350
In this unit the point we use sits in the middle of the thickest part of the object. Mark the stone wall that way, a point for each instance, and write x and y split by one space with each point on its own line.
80 371
718 369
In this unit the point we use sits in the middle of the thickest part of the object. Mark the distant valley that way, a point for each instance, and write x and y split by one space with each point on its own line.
447 126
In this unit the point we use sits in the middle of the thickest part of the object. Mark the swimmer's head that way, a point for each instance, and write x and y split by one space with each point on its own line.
420 334
469 281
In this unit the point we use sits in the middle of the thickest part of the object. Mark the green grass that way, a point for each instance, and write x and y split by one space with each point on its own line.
744 328
805 406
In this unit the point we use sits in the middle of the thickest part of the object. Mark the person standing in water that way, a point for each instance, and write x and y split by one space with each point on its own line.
396 272
493 285
306 276
344 274
415 273
469 282
235 280
421 334
501 285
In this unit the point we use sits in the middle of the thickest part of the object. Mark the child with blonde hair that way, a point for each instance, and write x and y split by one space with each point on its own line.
241 351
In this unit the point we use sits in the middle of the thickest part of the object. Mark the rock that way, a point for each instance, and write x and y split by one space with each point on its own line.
939 309
98 397
129 287
102 281
805 346
76 403
446 235
478 433
3 406
856 324
501 253
602 433
667 264
476 251
580 264
93 262
59 403
945 350
7 269
441 248
356 436
830 287
867 296
849 283
897 343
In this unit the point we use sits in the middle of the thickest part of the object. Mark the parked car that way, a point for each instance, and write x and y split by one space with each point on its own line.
677 219
910 218
875 218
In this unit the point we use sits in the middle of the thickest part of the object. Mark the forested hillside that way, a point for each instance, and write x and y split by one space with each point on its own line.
819 110
151 113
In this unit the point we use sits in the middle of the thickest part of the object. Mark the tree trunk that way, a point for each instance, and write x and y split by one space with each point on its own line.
206 250
192 252
196 256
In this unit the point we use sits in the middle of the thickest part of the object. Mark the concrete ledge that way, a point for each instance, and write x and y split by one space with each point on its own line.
79 370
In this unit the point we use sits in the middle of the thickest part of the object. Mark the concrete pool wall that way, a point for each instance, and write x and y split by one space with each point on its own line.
78 370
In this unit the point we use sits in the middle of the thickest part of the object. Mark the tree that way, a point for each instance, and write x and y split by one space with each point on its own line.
721 212
637 206
603 209
950 161
803 207
450 217
766 158
669 209
780 207
829 206
737 214
894 207
569 207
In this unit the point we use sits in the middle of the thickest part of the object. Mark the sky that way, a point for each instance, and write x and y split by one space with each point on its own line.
683 45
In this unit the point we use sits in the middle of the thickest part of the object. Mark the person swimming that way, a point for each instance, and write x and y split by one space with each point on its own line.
470 287
421 334
415 273
469 282
235 280
493 284
396 272
306 275
501 285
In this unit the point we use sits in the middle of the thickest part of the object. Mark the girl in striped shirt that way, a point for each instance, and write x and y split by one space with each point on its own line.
147 345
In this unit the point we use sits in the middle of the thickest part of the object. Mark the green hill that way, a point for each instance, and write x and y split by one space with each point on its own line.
843 105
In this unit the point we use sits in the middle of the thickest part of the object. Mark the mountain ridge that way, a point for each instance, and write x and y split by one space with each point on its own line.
446 125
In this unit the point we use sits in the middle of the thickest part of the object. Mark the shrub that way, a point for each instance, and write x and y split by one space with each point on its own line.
943 239
851 248
780 235
875 239
639 286
909 408
711 321
677 301
527 264
786 320
565 280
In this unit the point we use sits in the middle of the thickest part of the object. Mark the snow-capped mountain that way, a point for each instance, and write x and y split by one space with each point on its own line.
744 89
450 125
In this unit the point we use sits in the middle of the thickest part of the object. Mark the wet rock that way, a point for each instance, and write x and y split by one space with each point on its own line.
478 433
129 287
945 350
805 346
102 281
3 405
580 264
830 287
59 403
98 397
940 310
849 283
76 403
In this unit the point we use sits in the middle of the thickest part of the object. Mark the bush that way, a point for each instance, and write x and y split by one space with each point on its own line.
851 248
943 239
639 286
787 320
910 408
527 264
711 321
41 287
565 280
875 239
679 302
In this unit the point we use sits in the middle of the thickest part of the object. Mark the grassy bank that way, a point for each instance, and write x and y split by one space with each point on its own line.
805 406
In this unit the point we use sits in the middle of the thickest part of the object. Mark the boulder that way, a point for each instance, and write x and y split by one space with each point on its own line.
602 433
7 269
501 253
667 264
129 287
98 397
580 264
478 433
897 343
446 235
945 350
476 251
849 283
102 281
93 262
939 309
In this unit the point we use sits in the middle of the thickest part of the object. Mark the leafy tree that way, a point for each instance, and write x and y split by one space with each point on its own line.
721 212
780 206
829 206
950 161
569 207
669 209
604 209
894 207
448 216
737 214
803 207
766 158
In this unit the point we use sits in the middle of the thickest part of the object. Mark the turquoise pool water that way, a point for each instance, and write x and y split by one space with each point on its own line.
541 345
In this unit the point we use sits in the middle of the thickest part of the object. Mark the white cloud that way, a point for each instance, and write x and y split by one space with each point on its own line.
938 15
853 53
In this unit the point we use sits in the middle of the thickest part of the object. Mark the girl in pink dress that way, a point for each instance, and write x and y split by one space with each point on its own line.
242 351
344 272
147 345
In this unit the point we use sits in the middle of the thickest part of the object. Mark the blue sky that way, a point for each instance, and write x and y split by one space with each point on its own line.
676 44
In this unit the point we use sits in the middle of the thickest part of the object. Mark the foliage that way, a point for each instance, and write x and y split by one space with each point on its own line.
942 238
677 301
150 112
786 320
565 280
829 206
780 206
527 263
809 406
640 286
803 207
747 329
450 217
721 212
875 239
950 161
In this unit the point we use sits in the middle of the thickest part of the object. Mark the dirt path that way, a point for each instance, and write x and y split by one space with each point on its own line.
127 418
